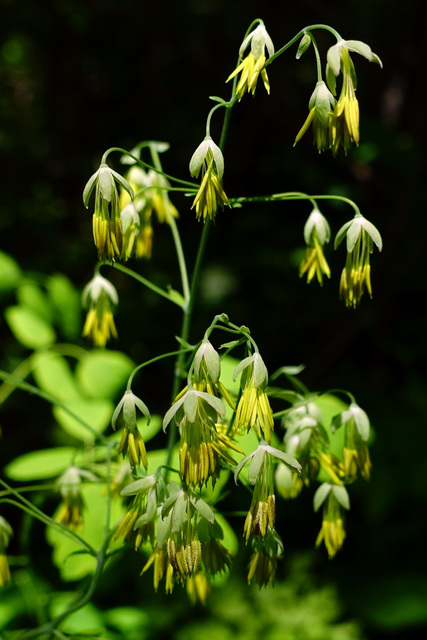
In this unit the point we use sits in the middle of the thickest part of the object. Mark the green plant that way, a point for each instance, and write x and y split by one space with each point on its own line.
221 405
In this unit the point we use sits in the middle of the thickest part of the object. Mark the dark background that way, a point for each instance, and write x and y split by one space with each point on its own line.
77 77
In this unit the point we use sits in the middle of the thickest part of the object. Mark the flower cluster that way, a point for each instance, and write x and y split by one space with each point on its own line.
151 197
336 123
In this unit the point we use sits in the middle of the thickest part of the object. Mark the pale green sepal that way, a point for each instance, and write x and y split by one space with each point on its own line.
143 408
218 159
89 188
341 494
123 183
197 158
364 50
342 233
190 406
139 486
256 463
242 464
179 513
171 412
321 495
202 507
260 371
287 459
214 402
353 233
242 365
373 232
331 80
116 412
163 529
303 45
258 42
106 182
211 358
324 102
150 512
129 411
361 420
333 58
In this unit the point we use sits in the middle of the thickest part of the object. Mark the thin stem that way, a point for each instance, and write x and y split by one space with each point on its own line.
192 185
136 276
156 359
175 234
298 36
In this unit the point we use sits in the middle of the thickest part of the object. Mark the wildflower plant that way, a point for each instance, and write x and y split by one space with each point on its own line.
176 525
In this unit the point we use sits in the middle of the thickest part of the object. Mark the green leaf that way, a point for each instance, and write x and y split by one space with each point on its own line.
10 272
40 465
29 328
66 304
94 520
95 413
53 375
30 295
103 374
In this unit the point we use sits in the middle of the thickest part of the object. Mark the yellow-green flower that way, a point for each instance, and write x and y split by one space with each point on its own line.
263 561
106 221
253 410
210 196
99 298
162 568
361 235
198 587
5 535
316 233
253 64
262 513
70 511
320 106
131 441
356 433
345 119
334 499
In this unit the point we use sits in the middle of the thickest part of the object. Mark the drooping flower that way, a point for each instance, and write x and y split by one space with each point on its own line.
321 107
210 196
70 511
131 442
316 233
99 298
345 119
252 65
334 499
253 410
361 235
263 561
356 453
107 227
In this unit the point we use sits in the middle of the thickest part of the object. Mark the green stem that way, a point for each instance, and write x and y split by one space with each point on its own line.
175 234
156 359
136 276
145 165
298 36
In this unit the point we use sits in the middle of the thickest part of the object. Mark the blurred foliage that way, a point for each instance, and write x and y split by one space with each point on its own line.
77 77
